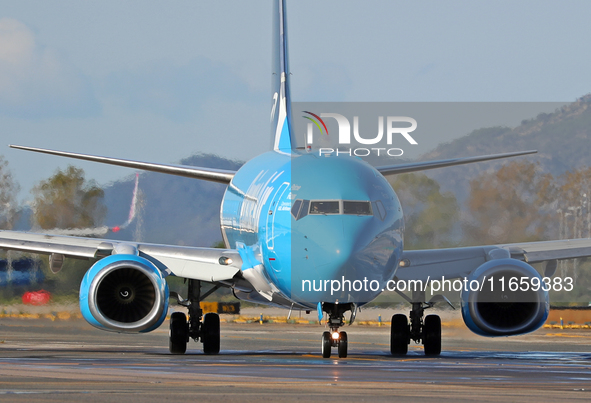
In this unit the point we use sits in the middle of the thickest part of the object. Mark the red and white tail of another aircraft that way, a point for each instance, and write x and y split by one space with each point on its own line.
103 230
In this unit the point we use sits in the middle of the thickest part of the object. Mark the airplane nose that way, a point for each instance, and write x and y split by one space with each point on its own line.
334 251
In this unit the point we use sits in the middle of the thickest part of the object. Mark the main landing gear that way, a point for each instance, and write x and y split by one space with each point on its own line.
334 338
208 329
428 331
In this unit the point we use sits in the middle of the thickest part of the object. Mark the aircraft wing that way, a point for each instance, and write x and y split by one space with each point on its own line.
423 166
205 264
460 262
208 174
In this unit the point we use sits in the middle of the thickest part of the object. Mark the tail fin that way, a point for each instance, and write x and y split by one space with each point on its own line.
132 208
104 230
281 112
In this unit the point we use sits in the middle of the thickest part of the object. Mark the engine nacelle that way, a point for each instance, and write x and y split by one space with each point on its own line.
124 293
495 310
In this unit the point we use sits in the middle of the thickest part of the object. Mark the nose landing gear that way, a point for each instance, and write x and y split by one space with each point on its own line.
334 338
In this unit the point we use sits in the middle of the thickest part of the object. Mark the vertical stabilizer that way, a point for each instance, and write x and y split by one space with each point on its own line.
281 110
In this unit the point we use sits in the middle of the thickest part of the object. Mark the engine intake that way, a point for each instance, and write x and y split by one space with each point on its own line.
124 293
496 310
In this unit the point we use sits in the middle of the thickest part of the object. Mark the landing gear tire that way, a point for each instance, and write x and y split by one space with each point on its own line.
399 335
210 333
343 345
326 345
179 333
432 335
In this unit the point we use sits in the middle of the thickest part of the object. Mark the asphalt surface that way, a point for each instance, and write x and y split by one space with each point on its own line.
42 360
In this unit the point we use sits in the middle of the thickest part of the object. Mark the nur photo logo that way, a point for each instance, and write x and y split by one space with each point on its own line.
394 126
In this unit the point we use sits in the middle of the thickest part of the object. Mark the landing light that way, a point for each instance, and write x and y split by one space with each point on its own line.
225 261
335 335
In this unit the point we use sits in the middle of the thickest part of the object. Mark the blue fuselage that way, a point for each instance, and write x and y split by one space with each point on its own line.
309 219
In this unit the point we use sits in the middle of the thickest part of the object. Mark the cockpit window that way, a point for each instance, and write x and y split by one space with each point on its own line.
302 208
380 209
324 207
295 210
357 207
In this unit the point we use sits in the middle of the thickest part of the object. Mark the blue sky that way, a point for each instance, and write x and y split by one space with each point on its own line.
159 81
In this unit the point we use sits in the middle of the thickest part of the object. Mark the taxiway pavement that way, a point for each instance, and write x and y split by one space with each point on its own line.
43 360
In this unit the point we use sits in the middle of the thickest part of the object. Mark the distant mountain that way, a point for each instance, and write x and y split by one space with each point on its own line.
172 209
185 211
562 138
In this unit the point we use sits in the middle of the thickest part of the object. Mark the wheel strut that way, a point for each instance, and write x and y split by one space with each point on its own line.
195 312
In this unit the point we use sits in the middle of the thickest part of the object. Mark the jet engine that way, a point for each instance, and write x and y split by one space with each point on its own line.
507 298
124 293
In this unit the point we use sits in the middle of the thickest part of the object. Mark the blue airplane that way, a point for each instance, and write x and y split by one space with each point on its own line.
296 225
